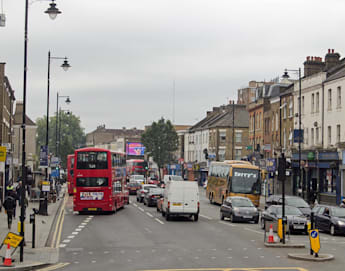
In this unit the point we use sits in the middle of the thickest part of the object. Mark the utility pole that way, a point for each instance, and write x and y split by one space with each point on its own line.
233 130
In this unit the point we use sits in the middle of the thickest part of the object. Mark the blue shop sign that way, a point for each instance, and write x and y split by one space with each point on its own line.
295 156
298 136
271 164
328 156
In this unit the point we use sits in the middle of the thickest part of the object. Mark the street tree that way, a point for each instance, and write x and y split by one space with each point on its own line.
70 134
161 141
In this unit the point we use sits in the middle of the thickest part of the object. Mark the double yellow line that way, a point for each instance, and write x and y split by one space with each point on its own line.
59 223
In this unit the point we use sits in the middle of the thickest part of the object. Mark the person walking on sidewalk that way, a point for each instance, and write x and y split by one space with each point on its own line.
9 205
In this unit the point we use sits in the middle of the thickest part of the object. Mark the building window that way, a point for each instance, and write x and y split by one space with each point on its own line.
339 97
238 137
329 99
277 123
222 136
317 102
312 136
312 102
316 135
285 110
290 137
221 155
306 136
329 135
290 108
338 133
238 154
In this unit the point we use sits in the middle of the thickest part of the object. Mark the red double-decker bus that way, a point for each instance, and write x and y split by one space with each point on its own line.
136 167
100 180
70 169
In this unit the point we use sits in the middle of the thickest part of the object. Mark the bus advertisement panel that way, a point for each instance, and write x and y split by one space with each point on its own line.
70 169
233 179
100 180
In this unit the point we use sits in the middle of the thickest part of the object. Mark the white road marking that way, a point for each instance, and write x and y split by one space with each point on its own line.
148 230
213 258
277 256
149 214
71 236
228 224
214 249
159 221
245 257
84 224
244 248
135 204
141 209
93 261
169 250
259 248
91 216
129 260
137 251
75 212
196 258
75 253
207 217
66 241
62 245
229 257
262 256
229 248
153 250
81 226
248 229
78 229
106 252
75 232
90 252
76 262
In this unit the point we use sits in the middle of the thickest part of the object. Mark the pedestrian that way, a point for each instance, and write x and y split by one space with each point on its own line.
57 188
19 192
9 205
9 187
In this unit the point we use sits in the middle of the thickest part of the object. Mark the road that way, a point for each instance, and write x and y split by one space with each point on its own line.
139 238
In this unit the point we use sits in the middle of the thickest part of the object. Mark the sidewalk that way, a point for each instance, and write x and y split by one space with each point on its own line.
42 254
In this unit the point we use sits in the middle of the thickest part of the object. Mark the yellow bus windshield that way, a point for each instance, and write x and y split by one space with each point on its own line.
245 181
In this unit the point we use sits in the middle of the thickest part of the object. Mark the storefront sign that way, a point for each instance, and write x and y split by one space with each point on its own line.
271 164
298 136
328 156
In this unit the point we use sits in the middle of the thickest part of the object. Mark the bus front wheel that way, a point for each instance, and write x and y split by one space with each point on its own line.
211 198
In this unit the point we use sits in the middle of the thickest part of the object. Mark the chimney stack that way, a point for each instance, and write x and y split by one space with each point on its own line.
331 59
312 65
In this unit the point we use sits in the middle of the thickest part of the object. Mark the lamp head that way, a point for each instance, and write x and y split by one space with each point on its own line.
52 11
68 101
65 65
285 75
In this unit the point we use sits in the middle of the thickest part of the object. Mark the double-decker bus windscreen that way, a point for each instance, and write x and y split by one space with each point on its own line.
92 160
92 182
245 181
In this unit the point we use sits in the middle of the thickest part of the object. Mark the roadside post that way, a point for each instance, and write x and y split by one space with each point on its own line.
281 177
314 238
312 226
33 222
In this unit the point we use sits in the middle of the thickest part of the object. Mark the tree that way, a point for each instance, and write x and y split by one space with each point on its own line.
161 141
72 135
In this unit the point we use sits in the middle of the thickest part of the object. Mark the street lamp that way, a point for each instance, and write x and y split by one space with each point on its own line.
67 101
286 76
53 12
44 208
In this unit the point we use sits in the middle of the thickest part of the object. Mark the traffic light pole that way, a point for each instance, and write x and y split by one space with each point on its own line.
282 177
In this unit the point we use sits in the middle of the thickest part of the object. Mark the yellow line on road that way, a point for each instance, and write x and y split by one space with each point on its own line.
60 230
58 223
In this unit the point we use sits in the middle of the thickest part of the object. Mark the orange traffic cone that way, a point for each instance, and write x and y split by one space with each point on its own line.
270 235
8 259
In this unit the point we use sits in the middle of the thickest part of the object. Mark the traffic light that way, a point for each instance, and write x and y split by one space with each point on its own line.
281 168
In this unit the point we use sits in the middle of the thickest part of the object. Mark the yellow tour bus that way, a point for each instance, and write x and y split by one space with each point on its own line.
233 178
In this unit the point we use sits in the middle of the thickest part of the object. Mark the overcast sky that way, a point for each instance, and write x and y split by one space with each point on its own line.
126 54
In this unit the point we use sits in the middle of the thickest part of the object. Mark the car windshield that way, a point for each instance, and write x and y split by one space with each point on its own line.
289 210
246 181
176 178
238 202
339 212
138 177
296 202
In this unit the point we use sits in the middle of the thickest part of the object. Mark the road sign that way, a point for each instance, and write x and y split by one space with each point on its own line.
44 156
55 161
2 154
45 186
13 239
314 238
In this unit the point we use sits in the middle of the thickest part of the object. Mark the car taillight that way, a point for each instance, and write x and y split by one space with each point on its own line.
142 192
198 204
168 204
152 196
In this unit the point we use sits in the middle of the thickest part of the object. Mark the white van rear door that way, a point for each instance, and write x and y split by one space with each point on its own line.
191 199
176 198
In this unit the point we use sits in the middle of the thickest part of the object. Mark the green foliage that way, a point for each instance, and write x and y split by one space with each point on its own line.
72 135
161 141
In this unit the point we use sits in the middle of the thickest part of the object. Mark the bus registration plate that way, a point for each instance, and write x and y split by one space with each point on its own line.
91 195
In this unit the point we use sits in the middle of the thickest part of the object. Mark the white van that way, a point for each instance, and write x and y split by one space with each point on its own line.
181 198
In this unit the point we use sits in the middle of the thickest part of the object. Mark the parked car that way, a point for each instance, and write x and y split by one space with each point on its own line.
133 187
239 209
181 199
297 202
295 219
144 188
172 178
330 219
151 197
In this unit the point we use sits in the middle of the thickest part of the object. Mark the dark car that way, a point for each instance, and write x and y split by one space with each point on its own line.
295 219
151 198
239 209
133 187
297 202
330 219
144 188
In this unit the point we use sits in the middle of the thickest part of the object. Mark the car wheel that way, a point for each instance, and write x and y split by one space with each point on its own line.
163 213
167 217
196 217
262 223
221 216
157 209
144 202
222 200
233 218
137 199
332 230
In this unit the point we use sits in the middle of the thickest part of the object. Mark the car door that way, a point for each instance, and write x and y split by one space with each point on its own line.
227 207
322 219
